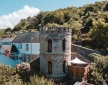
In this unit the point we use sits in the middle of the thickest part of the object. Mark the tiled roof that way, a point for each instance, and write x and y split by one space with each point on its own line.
6 39
27 37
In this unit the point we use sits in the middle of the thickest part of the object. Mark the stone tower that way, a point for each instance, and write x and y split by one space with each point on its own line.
55 51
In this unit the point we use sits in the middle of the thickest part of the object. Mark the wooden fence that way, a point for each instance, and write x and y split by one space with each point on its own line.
78 72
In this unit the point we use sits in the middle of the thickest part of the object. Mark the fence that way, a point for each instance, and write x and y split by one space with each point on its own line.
78 72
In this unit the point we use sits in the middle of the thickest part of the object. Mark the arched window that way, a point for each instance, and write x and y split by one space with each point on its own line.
50 45
63 45
49 67
64 63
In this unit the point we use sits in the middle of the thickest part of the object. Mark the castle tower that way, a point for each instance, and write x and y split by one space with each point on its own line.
55 51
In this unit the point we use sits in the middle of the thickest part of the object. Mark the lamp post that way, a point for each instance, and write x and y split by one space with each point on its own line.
31 49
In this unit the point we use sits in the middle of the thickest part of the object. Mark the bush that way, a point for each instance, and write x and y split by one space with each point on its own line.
8 74
99 70
23 67
22 75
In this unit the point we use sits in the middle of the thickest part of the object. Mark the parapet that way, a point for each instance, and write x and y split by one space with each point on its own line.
56 29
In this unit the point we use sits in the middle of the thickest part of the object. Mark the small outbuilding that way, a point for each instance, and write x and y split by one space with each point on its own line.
78 69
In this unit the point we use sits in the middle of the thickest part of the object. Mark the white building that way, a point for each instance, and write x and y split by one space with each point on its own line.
28 47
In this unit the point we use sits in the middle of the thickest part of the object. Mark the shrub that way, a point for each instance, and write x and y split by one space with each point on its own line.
23 76
99 70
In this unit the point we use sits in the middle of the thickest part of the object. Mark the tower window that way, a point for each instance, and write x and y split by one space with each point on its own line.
63 45
64 63
50 45
49 67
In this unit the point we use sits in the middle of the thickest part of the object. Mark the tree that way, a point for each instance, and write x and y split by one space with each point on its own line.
1 33
99 33
99 68
8 30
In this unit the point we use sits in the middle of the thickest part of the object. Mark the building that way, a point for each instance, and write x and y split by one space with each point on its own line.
27 45
5 46
6 41
5 49
55 51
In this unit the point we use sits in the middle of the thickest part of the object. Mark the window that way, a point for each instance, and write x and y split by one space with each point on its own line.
50 45
19 58
20 46
27 47
6 43
64 66
49 67
63 45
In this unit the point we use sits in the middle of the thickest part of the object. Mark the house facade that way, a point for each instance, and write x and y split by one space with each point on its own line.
28 47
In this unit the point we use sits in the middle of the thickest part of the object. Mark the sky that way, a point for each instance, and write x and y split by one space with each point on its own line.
12 11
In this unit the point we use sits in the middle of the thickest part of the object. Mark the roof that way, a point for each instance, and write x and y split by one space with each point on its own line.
6 39
6 47
14 49
7 61
78 61
27 37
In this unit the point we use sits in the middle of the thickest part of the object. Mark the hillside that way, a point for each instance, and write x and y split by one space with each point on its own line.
89 23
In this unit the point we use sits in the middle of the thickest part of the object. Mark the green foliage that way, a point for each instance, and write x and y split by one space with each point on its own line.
8 30
99 68
88 47
1 33
99 33
36 80
9 76
52 25
74 37
21 25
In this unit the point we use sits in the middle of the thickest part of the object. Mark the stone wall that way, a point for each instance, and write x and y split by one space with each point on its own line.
57 63
82 50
